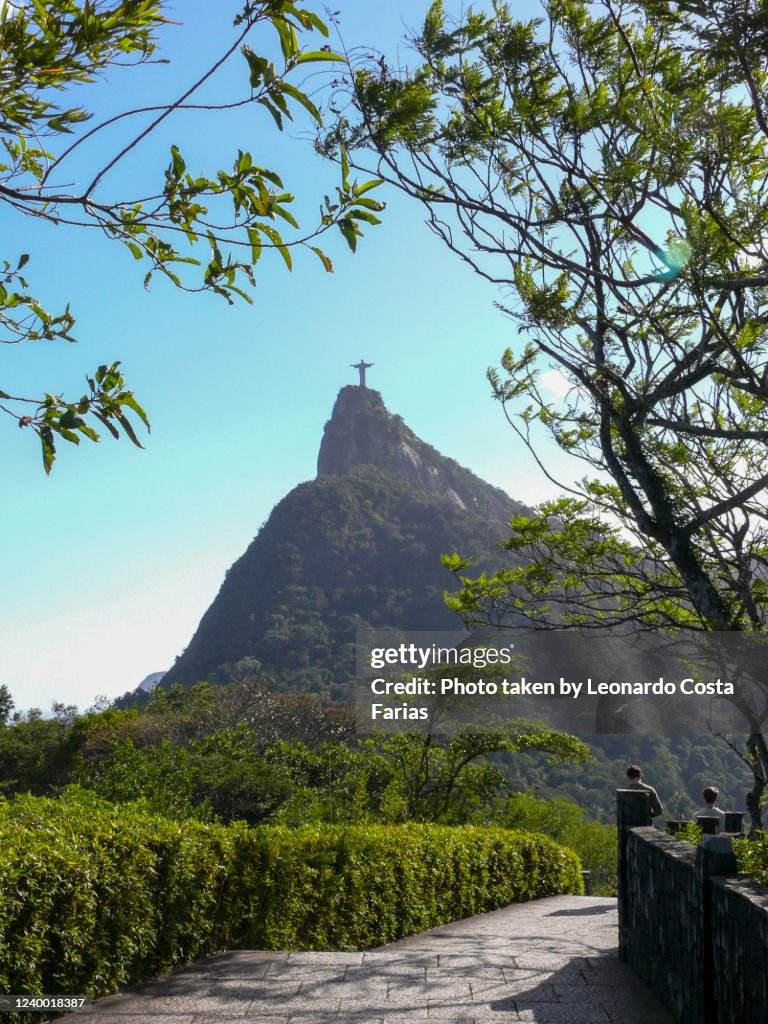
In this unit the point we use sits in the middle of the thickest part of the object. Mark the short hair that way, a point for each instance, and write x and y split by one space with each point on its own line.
710 794
634 771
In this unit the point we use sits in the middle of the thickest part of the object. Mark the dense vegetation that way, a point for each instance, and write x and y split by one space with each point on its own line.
96 895
237 752
338 554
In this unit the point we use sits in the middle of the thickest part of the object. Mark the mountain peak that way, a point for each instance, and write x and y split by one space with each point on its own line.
359 547
362 432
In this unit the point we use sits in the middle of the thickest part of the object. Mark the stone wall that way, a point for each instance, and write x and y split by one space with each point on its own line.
695 932
739 925
664 941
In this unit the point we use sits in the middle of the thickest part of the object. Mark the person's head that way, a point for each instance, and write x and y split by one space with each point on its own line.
710 794
634 773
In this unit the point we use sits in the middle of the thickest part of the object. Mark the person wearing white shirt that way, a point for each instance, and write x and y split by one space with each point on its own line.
709 796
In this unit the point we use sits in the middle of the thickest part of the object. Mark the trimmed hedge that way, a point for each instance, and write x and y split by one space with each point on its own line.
93 895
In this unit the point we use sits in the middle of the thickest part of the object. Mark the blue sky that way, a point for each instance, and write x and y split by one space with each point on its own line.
109 563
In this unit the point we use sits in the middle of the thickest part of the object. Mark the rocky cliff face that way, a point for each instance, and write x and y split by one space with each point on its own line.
362 432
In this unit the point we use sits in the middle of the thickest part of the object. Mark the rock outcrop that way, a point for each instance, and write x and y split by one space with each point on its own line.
362 432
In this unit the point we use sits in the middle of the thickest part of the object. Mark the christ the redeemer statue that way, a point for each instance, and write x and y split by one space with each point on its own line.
362 366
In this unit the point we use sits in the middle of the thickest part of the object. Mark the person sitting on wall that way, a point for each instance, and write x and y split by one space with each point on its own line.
635 776
709 796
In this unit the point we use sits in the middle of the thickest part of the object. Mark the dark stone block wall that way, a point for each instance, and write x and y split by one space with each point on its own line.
664 920
694 931
739 927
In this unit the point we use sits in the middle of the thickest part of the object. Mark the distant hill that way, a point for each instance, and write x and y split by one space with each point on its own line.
358 546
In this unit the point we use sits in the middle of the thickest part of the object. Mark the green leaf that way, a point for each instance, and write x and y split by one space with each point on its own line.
289 43
368 185
303 99
265 102
125 423
49 449
370 218
349 230
256 66
323 258
370 204
256 248
286 254
88 431
270 176
110 426
179 166
286 215
315 55
127 398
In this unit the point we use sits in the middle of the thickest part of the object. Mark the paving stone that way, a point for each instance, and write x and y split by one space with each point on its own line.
468 973
520 977
237 959
460 1012
352 1017
132 1018
565 1013
608 970
373 995
397 958
499 1018
406 1015
463 961
611 998
287 971
419 1020
532 993
446 989
312 1017
505 1017
180 1005
293 1007
345 1018
276 1016
550 961
226 967
386 972
325 959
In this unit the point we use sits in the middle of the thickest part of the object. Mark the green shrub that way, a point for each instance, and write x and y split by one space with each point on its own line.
690 832
752 858
93 896
569 824
347 888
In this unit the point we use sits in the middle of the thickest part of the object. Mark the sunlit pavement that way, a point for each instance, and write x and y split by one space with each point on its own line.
552 961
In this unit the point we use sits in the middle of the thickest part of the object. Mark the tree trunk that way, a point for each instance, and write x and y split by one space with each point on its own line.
758 756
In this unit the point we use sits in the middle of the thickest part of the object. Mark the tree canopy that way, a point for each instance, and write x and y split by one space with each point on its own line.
606 164
50 51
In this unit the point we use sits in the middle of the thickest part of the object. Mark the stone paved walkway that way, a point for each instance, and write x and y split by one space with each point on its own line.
552 961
